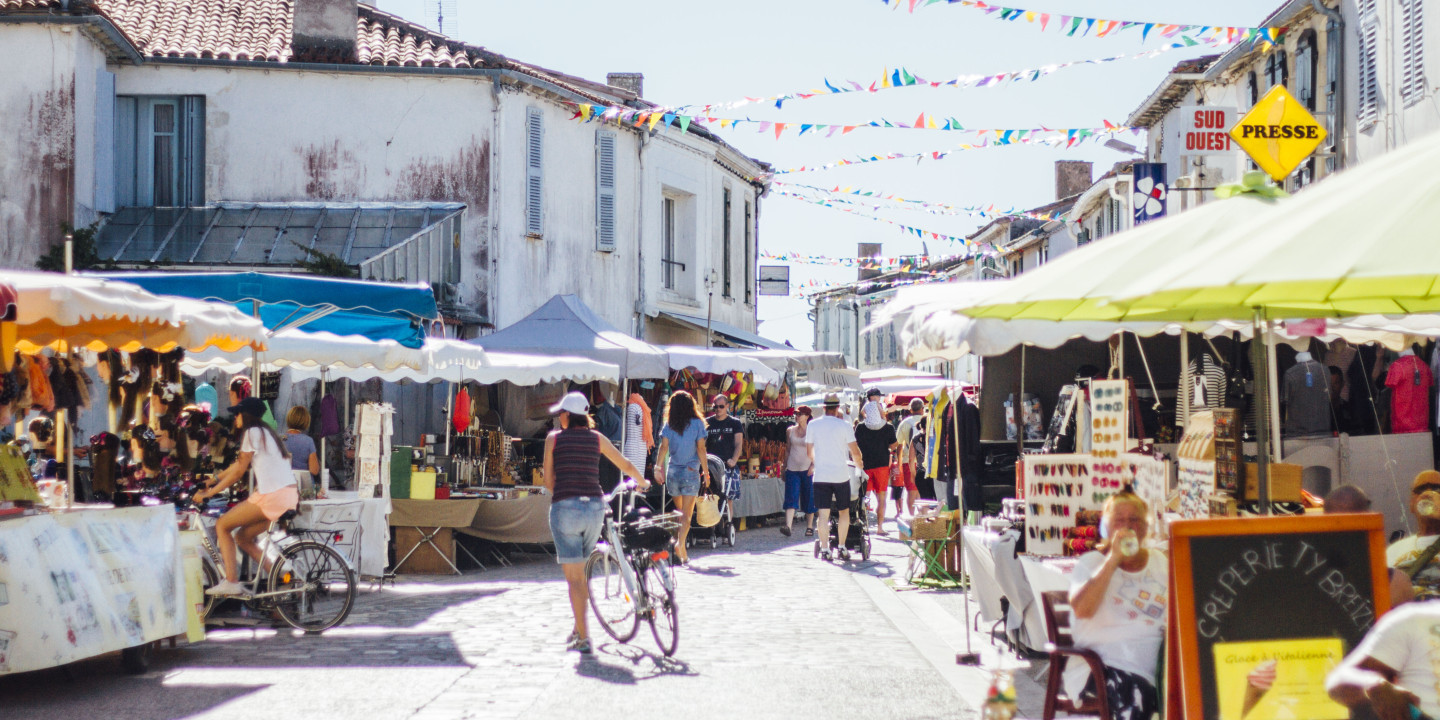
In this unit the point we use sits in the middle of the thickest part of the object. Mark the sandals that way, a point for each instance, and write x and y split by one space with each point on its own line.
785 530
844 555
825 555
809 531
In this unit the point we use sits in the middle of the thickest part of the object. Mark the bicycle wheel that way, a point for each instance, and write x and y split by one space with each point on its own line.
321 583
664 617
211 577
614 607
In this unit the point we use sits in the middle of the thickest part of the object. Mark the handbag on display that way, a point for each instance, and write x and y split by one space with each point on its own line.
707 510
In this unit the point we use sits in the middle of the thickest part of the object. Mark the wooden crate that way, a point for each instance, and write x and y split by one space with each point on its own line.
1284 482
425 561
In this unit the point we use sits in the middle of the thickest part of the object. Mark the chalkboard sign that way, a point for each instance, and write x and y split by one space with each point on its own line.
1265 607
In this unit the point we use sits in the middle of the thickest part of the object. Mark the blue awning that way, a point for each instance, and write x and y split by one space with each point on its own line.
378 311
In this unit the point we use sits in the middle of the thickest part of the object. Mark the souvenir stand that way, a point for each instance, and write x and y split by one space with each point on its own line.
436 494
84 579
760 398
411 487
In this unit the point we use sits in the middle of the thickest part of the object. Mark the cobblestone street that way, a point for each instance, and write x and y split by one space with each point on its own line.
766 631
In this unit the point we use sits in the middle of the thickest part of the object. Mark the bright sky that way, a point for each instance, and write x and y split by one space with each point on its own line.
697 54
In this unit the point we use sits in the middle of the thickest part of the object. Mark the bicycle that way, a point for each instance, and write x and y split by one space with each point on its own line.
308 583
629 575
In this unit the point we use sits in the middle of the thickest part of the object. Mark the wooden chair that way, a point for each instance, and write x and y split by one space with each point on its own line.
1061 647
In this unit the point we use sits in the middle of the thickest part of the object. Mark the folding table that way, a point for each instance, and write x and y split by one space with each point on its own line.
431 524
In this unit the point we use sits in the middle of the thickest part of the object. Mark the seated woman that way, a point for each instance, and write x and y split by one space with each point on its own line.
1117 594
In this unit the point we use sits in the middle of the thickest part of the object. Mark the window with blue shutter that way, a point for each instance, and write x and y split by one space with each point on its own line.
534 130
605 191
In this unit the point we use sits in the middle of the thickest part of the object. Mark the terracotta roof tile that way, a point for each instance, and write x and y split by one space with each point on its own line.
260 30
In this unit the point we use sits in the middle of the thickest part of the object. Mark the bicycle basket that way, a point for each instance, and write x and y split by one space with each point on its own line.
651 538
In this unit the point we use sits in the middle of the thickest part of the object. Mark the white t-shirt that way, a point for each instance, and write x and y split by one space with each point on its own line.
1129 627
272 470
905 432
1407 640
1408 549
831 437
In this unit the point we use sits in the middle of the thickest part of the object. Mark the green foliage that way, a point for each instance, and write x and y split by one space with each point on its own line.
85 255
323 263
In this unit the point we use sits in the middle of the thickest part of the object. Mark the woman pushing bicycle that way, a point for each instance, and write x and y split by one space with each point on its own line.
261 449
577 505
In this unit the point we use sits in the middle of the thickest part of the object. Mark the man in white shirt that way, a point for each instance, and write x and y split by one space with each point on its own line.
829 439
1395 667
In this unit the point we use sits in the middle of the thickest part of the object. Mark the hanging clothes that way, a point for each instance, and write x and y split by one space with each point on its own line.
42 396
932 440
972 457
460 416
1340 356
1409 381
1208 385
1305 393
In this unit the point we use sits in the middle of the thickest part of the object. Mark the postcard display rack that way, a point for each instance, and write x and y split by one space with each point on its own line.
1064 493
375 423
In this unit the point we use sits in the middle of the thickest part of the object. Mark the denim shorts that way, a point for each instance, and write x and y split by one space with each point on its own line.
575 524
682 481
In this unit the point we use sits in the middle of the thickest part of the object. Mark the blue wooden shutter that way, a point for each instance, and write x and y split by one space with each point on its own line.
534 128
605 191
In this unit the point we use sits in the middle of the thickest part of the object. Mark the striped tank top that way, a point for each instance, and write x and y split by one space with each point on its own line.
577 464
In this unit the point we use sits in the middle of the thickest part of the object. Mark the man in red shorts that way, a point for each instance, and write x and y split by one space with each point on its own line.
876 439
909 430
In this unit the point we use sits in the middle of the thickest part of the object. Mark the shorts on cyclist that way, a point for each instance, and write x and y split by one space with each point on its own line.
575 524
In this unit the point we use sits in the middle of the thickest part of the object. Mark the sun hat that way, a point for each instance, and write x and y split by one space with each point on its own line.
832 400
573 403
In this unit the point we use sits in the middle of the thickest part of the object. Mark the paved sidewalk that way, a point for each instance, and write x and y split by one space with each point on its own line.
766 632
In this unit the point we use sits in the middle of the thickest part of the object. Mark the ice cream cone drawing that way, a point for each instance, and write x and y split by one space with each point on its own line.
1258 683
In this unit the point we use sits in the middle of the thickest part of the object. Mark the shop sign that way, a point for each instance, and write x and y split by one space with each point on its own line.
1278 133
775 280
1152 192
1205 130
1278 600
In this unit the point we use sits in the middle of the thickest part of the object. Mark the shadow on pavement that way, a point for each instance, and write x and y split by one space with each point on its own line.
628 665
53 693
719 571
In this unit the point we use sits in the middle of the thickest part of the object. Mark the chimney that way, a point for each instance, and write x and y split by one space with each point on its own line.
324 31
868 250
1072 177
634 82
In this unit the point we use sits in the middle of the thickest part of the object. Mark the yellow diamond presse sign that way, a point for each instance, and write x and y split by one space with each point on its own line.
1278 133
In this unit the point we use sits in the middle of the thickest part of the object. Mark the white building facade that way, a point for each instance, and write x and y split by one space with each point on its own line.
337 103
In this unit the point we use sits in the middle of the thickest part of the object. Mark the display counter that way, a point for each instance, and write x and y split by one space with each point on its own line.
425 540
78 584
357 528
760 496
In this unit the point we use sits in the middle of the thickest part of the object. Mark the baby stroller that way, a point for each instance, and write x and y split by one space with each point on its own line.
858 536
723 531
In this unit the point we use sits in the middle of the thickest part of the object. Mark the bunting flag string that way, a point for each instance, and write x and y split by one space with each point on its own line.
858 196
903 78
1060 138
1070 25
899 263
810 288
907 229
622 115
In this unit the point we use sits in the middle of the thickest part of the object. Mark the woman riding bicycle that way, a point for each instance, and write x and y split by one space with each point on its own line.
261 449
577 505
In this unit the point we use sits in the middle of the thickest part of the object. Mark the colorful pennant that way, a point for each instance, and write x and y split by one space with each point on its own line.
867 198
1070 25
1059 138
899 263
907 229
586 112
903 78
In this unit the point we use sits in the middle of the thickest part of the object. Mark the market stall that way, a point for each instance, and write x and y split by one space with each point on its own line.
86 579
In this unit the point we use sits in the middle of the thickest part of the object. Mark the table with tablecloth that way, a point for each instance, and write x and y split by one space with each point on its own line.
760 496
1046 573
357 527
515 517
998 572
523 519
424 533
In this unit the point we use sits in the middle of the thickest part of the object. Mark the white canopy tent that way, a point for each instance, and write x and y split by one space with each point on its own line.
708 360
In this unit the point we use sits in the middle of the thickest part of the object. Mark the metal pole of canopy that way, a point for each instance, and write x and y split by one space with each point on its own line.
1262 416
62 433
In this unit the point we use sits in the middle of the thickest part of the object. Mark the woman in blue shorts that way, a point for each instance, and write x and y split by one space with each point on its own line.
577 504
682 442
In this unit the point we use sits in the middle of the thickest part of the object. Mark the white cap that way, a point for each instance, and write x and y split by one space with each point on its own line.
572 402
